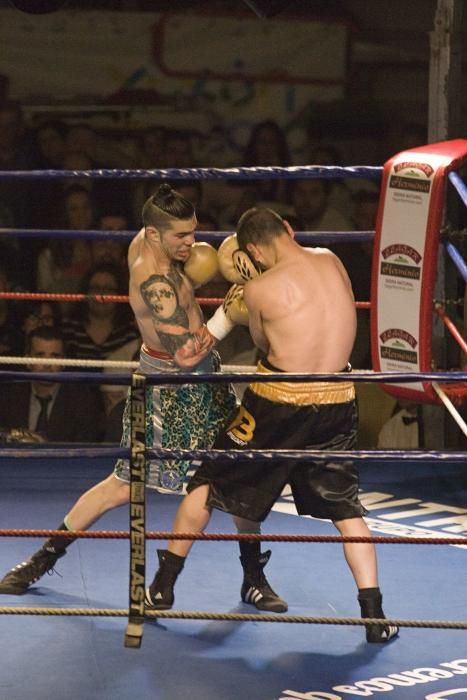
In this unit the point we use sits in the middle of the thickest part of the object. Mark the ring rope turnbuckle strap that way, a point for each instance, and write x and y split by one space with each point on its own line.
134 630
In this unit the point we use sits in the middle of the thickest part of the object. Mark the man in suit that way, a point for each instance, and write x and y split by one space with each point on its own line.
58 412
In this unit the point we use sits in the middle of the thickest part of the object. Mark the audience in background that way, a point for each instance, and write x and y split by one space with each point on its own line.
404 430
50 143
266 147
10 334
340 195
16 153
36 314
101 330
16 203
96 328
62 264
110 249
50 408
311 208
365 209
114 396
176 151
357 258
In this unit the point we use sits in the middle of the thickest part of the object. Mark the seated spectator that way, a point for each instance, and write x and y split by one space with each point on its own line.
85 155
177 152
111 250
50 144
207 222
98 328
103 152
365 209
16 204
10 264
404 430
152 147
15 154
49 147
357 260
78 161
114 396
311 208
62 264
10 335
82 138
191 190
36 314
58 412
267 146
340 195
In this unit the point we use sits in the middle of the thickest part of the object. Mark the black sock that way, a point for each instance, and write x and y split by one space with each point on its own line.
58 544
250 551
369 593
370 600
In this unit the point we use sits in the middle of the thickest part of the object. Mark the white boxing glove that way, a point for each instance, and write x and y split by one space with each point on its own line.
202 265
219 325
235 265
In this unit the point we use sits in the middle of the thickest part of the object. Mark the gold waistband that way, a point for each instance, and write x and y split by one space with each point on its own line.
303 393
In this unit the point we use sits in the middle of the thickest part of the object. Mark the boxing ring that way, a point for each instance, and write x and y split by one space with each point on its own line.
65 634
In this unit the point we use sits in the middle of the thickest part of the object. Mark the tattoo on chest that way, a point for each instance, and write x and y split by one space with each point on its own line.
161 295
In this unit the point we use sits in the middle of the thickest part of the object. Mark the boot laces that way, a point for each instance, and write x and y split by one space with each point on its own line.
38 565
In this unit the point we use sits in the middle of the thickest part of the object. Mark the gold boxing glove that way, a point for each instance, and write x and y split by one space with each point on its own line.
235 307
233 312
235 265
202 265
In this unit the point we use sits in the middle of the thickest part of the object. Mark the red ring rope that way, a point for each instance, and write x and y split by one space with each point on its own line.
114 298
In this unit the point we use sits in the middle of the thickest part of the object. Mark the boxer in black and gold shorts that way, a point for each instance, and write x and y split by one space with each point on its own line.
287 415
302 317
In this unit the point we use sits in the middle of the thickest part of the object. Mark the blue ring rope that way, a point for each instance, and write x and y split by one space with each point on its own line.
39 452
301 236
232 377
241 173
457 259
460 186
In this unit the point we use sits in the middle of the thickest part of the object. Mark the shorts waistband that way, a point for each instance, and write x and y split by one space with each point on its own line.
302 393
268 365
158 354
153 360
150 362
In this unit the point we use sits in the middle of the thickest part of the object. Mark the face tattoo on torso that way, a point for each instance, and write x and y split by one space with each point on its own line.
161 296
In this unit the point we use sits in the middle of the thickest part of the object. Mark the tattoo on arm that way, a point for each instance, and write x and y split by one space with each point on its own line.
160 294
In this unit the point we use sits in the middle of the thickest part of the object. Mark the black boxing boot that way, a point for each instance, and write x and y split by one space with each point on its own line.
255 587
371 600
22 576
160 594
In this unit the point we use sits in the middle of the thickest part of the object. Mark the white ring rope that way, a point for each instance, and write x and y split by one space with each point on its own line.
450 407
68 362
111 364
